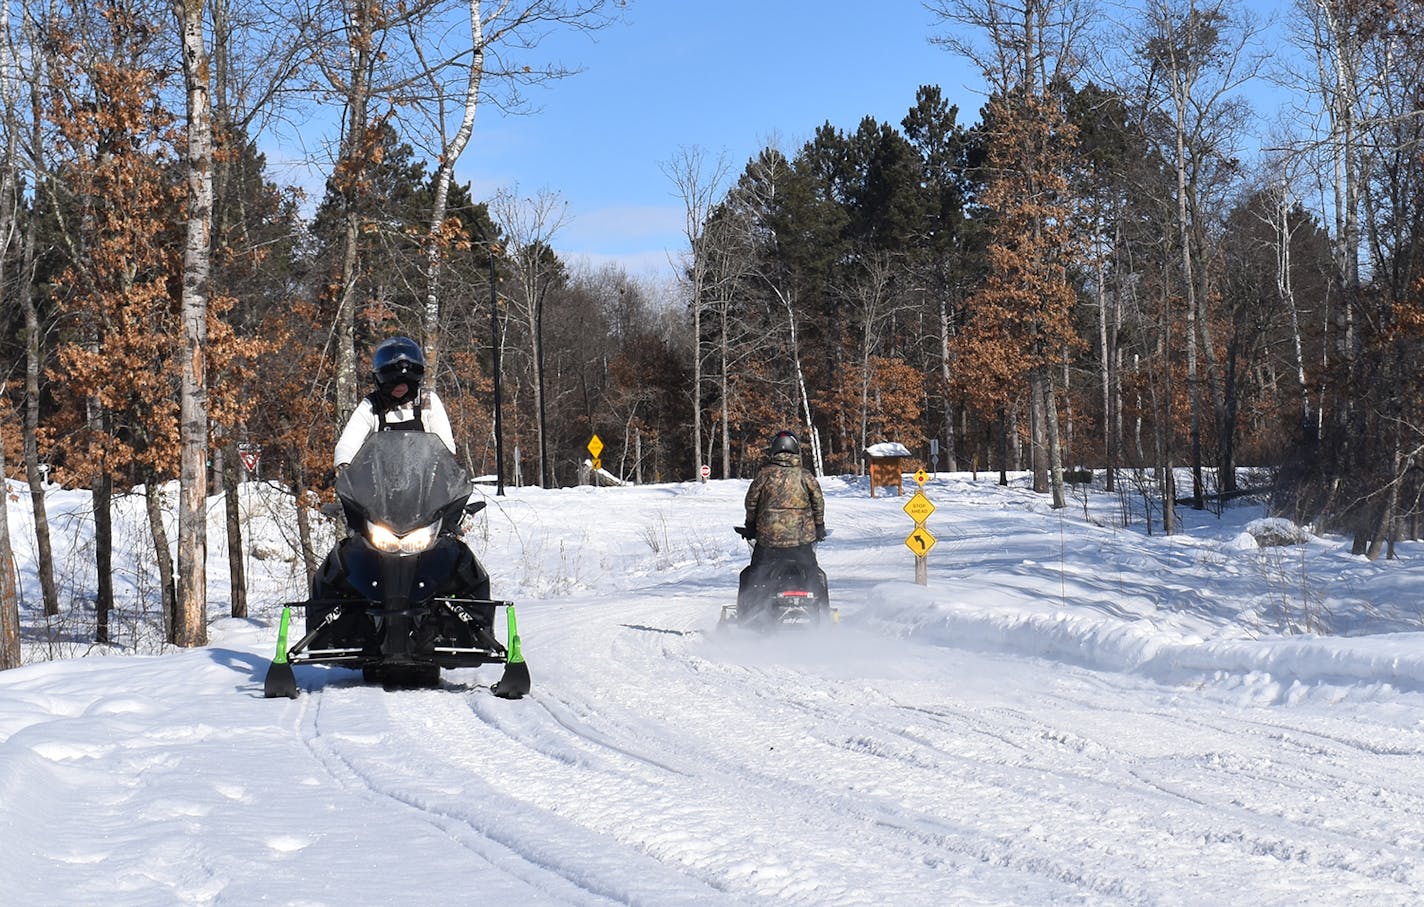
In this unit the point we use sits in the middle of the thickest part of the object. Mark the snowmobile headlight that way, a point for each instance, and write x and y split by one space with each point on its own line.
411 543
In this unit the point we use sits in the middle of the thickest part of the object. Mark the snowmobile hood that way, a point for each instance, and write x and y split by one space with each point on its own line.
404 480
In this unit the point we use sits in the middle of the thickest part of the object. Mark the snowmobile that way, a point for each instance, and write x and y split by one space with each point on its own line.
778 594
402 596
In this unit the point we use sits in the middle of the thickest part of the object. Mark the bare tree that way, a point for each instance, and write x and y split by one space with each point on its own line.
1198 56
24 151
875 303
699 183
530 224
454 77
9 216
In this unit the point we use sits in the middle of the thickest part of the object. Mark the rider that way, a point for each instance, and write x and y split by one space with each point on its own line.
786 514
397 403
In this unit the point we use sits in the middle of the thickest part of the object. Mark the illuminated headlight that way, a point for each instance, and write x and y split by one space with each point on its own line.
411 543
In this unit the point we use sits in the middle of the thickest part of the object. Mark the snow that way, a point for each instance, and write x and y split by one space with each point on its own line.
887 449
1070 712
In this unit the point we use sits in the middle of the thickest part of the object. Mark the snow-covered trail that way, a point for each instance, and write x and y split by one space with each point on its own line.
1067 714
844 768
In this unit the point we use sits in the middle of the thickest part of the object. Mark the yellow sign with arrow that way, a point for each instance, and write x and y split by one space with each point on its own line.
920 541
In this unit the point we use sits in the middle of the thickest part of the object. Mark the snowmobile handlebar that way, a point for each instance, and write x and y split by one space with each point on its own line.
744 532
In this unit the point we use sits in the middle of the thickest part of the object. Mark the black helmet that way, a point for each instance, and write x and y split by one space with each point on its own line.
397 360
783 442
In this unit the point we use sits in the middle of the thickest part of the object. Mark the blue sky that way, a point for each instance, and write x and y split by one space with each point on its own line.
726 77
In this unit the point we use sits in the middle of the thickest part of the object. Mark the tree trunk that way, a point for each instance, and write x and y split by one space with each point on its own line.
304 535
951 457
696 374
35 476
450 155
153 505
726 389
1105 360
1038 431
1384 525
1003 448
1162 421
1055 449
10 654
10 209
1285 287
237 568
190 625
816 463
351 169
546 479
103 490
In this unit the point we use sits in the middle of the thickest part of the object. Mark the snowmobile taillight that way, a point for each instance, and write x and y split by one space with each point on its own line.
382 539
795 593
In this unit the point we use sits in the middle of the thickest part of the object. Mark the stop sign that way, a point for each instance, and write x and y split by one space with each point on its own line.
706 470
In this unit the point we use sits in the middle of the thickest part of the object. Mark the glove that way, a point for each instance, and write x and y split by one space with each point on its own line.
820 532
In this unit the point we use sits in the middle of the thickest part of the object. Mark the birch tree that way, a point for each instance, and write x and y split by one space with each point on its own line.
699 182
191 624
1199 56
457 78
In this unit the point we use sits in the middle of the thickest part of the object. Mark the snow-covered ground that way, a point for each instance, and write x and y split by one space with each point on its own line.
1070 712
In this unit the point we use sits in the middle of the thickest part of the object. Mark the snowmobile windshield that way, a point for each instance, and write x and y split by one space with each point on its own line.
403 480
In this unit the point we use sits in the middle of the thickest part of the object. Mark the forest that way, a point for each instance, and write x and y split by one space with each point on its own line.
1106 269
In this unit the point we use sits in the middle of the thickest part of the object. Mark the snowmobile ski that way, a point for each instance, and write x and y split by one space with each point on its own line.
280 680
515 682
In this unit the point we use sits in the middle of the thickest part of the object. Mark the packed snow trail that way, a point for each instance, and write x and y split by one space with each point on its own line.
1067 714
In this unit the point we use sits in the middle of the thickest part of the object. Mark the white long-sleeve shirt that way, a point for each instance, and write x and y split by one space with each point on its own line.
364 421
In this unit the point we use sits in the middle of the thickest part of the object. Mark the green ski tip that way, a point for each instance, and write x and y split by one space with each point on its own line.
280 680
515 654
281 656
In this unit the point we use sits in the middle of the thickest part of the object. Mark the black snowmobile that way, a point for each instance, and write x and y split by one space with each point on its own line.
776 594
402 596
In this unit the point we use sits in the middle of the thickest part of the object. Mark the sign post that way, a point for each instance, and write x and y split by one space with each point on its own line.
920 541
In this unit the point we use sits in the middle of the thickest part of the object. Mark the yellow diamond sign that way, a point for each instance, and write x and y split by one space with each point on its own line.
919 507
595 446
921 476
920 541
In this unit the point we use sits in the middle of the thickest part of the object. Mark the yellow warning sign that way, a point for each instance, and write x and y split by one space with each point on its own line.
921 476
919 507
595 447
920 541
597 463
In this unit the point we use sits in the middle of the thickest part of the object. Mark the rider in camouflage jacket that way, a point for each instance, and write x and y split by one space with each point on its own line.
784 503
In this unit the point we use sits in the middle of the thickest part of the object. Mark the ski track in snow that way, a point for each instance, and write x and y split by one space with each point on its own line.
831 791
1009 736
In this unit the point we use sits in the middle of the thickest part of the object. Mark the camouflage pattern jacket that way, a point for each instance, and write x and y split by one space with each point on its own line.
784 504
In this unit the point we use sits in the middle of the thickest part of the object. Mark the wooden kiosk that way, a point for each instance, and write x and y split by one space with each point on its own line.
883 461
